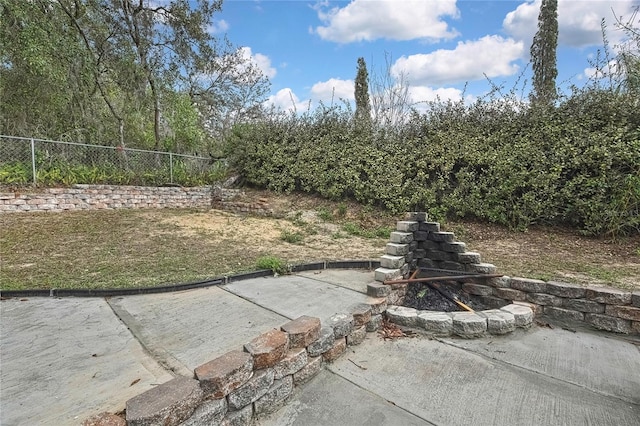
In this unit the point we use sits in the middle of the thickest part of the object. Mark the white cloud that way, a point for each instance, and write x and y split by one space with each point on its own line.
286 100
217 27
578 21
367 20
333 90
263 62
470 60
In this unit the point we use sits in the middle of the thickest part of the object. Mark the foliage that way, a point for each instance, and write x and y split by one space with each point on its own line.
575 164
273 263
291 237
543 54
363 104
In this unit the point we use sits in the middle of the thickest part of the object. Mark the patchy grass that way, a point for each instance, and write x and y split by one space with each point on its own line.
138 248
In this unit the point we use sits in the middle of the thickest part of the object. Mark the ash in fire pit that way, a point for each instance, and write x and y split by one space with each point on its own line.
437 296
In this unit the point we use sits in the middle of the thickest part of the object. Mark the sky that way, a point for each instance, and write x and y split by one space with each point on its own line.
447 49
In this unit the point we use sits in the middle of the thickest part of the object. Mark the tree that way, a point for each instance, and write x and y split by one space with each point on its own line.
363 105
629 51
543 55
390 96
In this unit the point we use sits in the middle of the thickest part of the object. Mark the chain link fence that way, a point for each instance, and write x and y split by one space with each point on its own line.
45 162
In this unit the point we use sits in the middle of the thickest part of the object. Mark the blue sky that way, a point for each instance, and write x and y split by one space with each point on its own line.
309 49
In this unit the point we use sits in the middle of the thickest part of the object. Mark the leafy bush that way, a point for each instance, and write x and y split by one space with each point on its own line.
273 263
575 164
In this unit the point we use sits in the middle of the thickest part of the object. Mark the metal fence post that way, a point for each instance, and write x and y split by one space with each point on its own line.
33 161
171 167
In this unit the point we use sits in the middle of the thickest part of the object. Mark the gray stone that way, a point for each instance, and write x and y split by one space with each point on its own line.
210 412
477 289
448 237
481 268
430 226
510 294
391 262
528 285
522 315
565 290
490 302
454 247
275 397
608 296
257 386
468 324
499 321
342 324
438 323
167 404
635 299
385 274
544 299
396 249
361 314
437 255
420 235
426 263
401 237
374 323
402 315
563 314
605 322
453 266
583 305
416 216
292 362
378 305
242 417
429 245
323 344
469 257
499 282
357 336
377 289
420 253
407 226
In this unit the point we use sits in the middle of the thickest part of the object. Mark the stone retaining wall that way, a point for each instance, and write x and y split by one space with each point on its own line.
420 243
98 197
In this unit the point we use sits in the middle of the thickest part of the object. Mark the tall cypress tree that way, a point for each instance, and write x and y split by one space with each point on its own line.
543 54
363 105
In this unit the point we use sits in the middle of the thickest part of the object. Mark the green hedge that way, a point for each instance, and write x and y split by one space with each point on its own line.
576 164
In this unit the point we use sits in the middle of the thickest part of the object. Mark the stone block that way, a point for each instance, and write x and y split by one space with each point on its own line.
253 389
396 249
276 396
412 246
481 268
416 216
210 412
499 282
469 257
402 315
302 331
377 289
323 344
429 226
420 253
522 315
357 336
420 235
378 305
342 324
429 245
361 314
490 302
437 255
536 309
454 247
401 237
468 324
510 294
407 226
635 299
313 367
608 296
410 258
477 289
570 291
386 274
268 348
442 237
104 419
625 312
583 305
635 327
544 299
454 266
396 298
375 323
426 263
241 417
168 404
392 262
563 314
608 323
438 323
338 348
292 362
528 285
499 321
225 374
